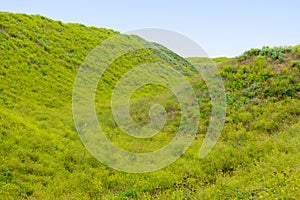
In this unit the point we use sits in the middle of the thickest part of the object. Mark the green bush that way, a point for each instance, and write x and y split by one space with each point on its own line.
276 53
298 50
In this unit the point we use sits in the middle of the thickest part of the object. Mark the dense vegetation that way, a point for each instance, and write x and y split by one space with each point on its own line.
276 53
42 157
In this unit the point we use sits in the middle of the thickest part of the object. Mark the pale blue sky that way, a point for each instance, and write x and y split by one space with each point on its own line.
222 28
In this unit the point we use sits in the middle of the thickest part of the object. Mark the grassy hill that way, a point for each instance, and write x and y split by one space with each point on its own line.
42 157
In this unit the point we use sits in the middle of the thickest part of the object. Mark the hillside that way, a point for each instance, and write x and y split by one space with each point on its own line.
42 157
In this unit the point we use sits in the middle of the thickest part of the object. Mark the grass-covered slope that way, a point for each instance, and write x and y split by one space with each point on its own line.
42 157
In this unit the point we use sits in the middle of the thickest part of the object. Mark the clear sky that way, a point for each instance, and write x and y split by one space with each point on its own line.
222 28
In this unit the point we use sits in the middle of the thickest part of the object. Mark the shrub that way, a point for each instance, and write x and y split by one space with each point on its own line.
276 53
298 50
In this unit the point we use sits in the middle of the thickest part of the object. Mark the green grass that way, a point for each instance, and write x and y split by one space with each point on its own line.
42 157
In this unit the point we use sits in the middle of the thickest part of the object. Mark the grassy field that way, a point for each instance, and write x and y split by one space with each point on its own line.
42 157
